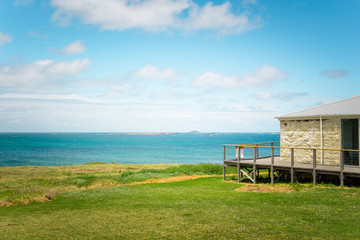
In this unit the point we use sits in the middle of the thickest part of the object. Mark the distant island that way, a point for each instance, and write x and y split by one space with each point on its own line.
164 133
148 133
194 131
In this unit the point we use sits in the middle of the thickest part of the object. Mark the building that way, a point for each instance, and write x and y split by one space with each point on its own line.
331 126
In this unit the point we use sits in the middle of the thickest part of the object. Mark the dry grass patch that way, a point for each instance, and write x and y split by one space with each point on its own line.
349 194
264 188
108 167
176 179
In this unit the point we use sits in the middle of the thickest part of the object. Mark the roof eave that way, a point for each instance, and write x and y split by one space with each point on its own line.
345 116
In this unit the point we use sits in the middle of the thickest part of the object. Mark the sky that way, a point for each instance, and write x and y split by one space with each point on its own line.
172 65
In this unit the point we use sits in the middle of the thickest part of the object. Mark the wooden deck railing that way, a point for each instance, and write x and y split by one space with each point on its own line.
240 159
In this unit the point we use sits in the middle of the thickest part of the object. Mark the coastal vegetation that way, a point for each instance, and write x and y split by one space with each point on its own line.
103 202
25 184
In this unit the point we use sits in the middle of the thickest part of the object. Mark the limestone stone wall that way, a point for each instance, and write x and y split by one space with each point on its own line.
306 133
332 139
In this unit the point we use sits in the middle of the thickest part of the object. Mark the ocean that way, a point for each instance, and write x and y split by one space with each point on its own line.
54 149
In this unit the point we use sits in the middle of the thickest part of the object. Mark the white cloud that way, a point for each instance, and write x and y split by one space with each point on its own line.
218 17
262 95
74 48
118 90
169 94
289 96
39 74
5 38
153 15
261 78
24 115
248 108
335 73
152 72
216 80
72 97
138 82
121 14
283 96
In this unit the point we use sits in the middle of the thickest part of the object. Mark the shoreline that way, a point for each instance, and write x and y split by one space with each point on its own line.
102 163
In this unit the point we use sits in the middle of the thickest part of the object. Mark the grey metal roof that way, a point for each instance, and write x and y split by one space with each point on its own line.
347 108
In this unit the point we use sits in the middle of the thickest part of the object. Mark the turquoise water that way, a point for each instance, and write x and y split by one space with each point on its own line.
53 149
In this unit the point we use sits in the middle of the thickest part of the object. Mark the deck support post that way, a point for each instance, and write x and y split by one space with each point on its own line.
272 164
292 166
241 157
254 164
224 166
238 163
314 166
341 168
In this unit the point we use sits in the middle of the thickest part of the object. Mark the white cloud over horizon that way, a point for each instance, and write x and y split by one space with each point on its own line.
283 96
118 90
266 95
46 115
153 72
168 94
71 97
5 38
263 77
154 15
38 74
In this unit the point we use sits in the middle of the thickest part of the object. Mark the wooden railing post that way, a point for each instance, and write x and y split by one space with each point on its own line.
314 166
272 163
238 163
254 164
292 166
241 157
224 166
341 168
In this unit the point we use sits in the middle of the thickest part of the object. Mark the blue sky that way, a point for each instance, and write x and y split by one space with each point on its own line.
172 65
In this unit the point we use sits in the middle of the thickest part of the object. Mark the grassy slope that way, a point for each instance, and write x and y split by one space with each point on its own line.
21 185
205 208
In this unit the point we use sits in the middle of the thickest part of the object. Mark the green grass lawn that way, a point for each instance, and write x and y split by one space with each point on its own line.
203 208
25 184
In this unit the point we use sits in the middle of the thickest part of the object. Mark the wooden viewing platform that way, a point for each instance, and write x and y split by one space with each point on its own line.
249 167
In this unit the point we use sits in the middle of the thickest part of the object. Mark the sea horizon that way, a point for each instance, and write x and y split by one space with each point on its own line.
144 132
74 148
